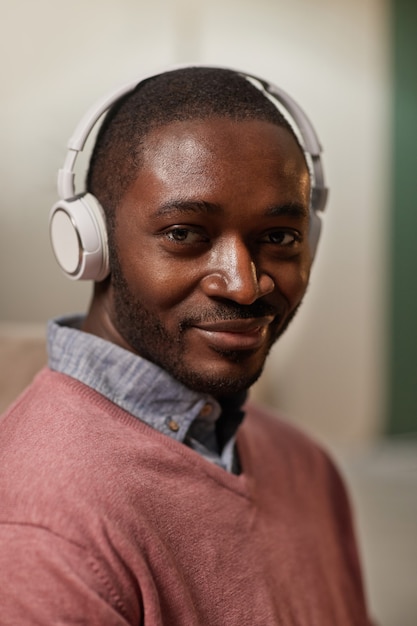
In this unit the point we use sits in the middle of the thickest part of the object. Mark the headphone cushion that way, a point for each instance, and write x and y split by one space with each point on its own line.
79 238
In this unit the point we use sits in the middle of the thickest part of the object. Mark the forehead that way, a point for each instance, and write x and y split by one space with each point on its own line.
218 138
225 157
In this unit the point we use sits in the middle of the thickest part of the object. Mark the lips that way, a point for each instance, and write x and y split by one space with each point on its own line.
235 334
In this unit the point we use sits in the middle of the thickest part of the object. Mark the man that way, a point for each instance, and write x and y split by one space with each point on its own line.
137 487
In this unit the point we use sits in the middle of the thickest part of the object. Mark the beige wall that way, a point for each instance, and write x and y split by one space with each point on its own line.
331 55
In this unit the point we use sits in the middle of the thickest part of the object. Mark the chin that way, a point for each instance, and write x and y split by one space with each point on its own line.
219 373
216 383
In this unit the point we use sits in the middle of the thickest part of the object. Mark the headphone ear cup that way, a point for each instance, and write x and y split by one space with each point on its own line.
78 235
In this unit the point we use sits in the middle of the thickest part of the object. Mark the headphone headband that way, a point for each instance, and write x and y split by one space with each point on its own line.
97 259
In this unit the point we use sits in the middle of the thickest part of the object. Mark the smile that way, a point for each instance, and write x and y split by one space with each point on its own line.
240 334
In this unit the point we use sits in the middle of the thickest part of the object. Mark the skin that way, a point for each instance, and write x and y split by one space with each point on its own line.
209 255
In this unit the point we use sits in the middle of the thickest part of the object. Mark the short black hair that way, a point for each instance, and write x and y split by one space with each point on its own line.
184 94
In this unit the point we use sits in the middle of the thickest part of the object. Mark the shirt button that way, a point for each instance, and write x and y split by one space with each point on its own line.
206 410
173 425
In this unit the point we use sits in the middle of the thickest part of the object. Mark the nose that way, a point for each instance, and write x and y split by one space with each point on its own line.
233 274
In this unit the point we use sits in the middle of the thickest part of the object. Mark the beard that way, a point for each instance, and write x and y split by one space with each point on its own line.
148 337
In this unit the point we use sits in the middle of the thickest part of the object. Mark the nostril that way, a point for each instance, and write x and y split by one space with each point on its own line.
233 274
214 282
242 288
266 284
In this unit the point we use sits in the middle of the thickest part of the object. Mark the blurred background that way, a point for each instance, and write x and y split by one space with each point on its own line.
347 369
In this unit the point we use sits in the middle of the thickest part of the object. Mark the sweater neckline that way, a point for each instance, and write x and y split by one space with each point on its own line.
238 483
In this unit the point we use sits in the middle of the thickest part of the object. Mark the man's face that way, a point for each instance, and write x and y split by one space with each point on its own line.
211 250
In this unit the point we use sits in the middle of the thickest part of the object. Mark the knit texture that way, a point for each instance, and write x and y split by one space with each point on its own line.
106 521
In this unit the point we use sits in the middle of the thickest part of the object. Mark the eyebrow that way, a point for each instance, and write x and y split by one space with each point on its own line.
176 207
180 207
292 209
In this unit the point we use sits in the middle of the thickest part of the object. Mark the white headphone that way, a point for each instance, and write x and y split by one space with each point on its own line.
77 223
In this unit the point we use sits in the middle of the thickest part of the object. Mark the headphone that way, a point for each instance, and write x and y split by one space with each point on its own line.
77 223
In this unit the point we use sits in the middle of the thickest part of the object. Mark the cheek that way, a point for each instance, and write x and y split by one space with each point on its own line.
292 281
160 284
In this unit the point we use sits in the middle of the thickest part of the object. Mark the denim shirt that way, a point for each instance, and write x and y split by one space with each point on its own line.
144 390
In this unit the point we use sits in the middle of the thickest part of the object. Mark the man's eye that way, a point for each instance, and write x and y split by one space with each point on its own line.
184 235
281 238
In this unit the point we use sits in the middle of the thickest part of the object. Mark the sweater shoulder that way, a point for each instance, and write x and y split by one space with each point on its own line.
48 391
57 407
60 442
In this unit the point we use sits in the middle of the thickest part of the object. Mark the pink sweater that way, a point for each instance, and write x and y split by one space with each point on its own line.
107 522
